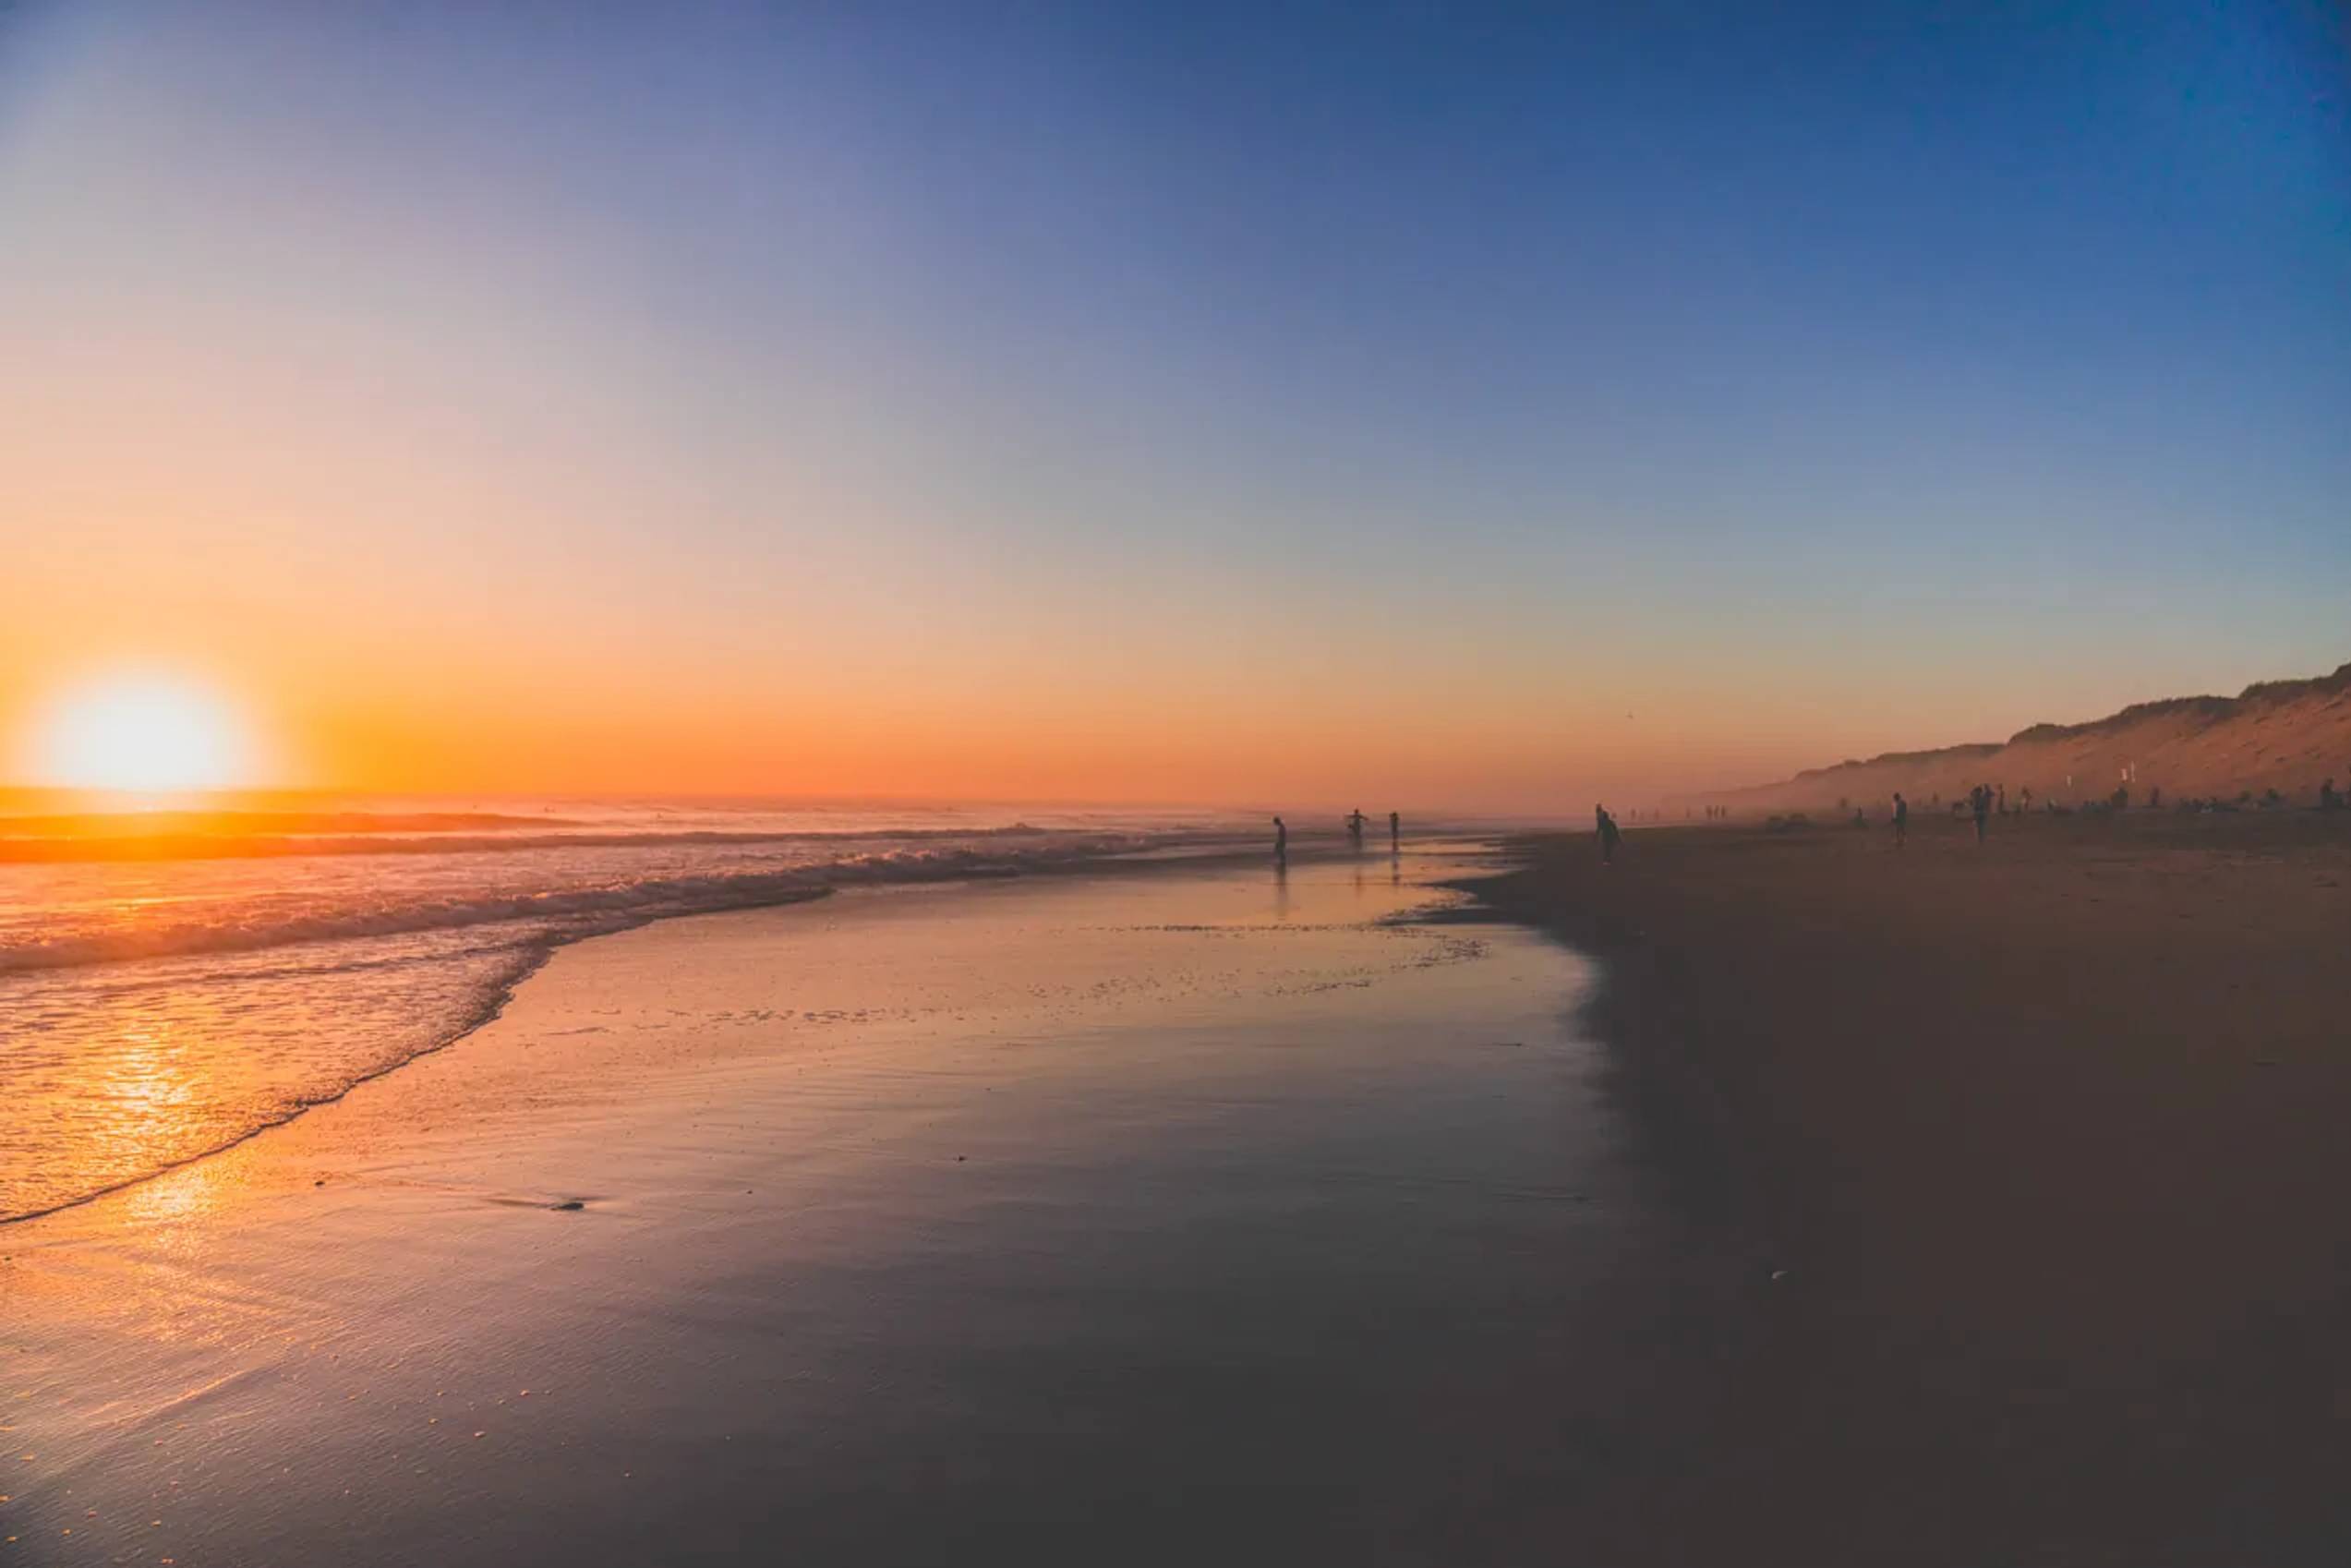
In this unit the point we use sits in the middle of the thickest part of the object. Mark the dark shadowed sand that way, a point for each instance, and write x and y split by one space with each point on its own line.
1153 1219
2052 1140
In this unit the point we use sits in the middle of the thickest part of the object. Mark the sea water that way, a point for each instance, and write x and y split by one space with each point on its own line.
172 982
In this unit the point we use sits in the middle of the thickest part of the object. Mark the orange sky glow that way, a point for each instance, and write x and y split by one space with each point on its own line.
472 417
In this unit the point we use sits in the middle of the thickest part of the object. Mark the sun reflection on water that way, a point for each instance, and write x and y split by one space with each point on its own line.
112 1073
190 1192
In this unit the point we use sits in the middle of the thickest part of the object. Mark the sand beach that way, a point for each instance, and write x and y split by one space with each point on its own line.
2040 1146
1807 1200
1147 1217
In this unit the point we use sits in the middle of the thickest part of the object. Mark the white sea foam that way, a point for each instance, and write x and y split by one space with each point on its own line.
576 909
154 1007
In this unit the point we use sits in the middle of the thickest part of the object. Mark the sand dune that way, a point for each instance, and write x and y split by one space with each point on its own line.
2283 735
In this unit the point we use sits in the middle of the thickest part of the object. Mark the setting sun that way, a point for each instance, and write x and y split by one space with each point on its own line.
142 734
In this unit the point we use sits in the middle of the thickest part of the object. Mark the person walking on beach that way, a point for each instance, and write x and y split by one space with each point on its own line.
1608 832
1901 820
1980 802
1395 833
1281 842
1355 819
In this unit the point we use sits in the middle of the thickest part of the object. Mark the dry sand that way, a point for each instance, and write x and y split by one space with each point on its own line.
2051 1140
1127 1219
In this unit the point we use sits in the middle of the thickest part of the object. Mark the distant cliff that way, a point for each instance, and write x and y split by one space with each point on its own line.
2282 735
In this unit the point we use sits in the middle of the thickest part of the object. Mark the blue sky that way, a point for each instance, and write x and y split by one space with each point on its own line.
1842 377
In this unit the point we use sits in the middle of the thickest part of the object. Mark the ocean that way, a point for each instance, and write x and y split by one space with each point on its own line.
174 981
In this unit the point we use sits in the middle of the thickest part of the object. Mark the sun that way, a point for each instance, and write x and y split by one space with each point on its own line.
141 734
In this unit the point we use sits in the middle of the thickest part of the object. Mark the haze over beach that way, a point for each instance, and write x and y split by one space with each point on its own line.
2276 742
1048 784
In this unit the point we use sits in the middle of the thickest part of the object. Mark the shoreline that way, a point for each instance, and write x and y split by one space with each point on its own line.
2024 1162
1046 1220
494 1004
1201 857
1859 1208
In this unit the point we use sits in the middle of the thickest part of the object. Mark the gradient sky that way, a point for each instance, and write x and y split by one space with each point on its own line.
1441 405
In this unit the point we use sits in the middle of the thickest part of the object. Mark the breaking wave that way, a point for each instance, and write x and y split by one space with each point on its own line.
567 912
182 844
244 988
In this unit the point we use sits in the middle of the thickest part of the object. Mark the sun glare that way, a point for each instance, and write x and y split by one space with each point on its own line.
141 735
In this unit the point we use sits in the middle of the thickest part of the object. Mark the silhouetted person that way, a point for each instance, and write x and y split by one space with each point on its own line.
1355 819
1901 820
1608 832
1395 833
1281 840
1980 803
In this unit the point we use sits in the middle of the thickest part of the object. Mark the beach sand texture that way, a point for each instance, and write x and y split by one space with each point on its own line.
1137 1219
1947 1206
2049 1141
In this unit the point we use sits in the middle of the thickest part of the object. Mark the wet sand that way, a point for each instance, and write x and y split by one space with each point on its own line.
2050 1142
1142 1219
